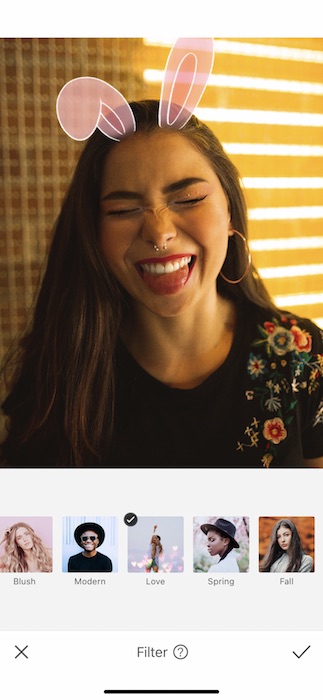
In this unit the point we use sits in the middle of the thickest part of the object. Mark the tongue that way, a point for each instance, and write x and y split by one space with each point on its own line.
168 283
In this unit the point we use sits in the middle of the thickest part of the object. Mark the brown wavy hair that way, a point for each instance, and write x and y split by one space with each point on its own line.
155 544
61 379
14 559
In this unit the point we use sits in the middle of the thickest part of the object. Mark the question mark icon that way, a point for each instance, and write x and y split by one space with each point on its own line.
180 651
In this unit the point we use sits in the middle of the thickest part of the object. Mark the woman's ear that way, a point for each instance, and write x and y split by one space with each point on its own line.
231 230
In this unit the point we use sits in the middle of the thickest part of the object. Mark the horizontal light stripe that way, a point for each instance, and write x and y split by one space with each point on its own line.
273 149
154 40
278 183
318 321
284 53
271 244
282 213
257 116
240 48
290 271
245 49
151 75
265 84
288 300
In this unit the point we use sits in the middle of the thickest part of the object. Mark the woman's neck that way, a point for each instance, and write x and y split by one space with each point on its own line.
182 351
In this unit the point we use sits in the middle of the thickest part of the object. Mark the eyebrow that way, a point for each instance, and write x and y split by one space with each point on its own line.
173 187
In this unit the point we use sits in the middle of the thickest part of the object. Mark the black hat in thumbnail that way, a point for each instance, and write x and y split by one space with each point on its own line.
226 528
79 531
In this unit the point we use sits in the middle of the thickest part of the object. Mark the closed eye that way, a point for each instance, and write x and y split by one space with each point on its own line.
189 202
118 213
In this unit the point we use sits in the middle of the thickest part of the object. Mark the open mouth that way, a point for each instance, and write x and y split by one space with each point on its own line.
166 275
166 266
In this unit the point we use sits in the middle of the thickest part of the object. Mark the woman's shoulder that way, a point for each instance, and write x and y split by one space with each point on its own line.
285 341
306 563
280 564
285 331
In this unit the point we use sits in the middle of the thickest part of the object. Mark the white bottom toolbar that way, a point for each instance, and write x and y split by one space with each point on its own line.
94 665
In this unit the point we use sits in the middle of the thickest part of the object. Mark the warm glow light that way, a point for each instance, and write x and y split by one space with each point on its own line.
290 271
286 301
245 49
282 53
301 243
273 69
265 84
286 183
258 116
248 83
273 149
282 213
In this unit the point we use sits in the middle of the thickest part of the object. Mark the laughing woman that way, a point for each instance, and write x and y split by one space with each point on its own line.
154 341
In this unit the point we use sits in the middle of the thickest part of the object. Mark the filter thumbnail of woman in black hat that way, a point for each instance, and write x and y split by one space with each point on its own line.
221 542
89 536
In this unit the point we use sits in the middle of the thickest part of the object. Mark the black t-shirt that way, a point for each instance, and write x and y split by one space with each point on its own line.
100 562
262 408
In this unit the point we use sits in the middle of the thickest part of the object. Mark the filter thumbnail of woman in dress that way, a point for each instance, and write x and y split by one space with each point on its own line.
154 341
156 551
149 552
285 552
22 550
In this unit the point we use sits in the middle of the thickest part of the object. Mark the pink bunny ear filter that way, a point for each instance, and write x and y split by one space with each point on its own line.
87 103
187 71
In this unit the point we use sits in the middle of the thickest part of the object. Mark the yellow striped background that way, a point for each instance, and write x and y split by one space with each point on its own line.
264 100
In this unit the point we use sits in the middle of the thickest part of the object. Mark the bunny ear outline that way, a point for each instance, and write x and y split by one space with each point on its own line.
187 71
87 103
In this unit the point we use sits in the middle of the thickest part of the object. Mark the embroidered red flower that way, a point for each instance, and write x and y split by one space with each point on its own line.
302 339
270 327
274 430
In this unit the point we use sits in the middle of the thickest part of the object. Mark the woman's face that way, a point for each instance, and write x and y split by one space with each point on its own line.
216 544
24 539
158 190
284 538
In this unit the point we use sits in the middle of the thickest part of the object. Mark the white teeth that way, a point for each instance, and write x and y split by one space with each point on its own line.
165 268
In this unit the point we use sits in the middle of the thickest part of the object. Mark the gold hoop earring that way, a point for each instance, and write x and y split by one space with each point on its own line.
248 260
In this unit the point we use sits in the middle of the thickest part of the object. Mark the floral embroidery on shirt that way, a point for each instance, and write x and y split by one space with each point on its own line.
274 430
280 367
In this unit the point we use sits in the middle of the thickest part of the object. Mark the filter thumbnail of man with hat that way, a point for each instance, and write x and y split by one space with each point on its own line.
89 536
220 541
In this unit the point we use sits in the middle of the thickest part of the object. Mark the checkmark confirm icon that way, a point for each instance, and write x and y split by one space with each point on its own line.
303 652
130 519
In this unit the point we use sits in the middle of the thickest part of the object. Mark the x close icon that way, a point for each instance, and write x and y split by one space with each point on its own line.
21 652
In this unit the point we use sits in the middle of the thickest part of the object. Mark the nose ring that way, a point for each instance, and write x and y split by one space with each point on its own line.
156 248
